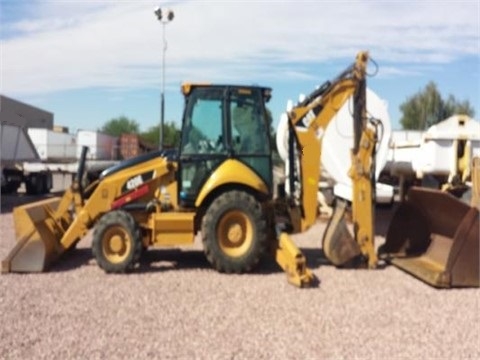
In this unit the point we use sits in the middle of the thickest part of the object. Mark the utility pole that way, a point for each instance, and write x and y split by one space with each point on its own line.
164 16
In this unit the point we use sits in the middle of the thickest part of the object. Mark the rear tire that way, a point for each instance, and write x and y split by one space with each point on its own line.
117 242
234 232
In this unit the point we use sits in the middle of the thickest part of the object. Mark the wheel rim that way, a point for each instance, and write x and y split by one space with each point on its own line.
235 233
116 244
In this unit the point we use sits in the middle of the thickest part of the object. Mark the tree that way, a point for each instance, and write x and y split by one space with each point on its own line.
427 108
119 126
171 136
452 106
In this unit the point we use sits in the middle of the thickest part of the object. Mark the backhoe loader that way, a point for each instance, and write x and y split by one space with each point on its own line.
219 183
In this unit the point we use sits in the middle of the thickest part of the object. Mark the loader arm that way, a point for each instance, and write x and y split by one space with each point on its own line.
45 230
308 121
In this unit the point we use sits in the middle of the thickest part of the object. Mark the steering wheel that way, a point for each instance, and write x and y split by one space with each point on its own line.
206 146
210 146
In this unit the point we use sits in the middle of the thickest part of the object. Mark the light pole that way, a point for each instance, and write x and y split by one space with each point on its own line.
164 16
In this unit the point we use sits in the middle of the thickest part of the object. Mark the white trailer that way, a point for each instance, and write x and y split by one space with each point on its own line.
447 148
53 145
17 148
32 156
31 150
436 152
60 153
102 146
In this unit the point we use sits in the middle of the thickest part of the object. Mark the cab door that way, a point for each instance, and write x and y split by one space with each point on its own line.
249 131
204 143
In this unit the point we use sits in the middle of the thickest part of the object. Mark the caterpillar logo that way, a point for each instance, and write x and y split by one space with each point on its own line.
310 116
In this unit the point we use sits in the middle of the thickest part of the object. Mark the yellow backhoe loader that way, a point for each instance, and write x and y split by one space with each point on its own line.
219 182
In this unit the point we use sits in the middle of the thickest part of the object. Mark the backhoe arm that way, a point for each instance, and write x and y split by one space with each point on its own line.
308 121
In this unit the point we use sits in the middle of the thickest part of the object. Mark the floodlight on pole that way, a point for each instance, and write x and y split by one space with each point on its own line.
164 16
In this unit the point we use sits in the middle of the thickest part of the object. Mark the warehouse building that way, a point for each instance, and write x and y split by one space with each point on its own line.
15 112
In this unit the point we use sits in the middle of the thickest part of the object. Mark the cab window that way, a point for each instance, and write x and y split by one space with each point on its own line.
203 130
249 133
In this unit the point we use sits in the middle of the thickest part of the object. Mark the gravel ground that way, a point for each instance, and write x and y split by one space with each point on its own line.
176 306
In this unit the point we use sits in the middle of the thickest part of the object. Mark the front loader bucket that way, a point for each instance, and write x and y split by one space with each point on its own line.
435 237
38 232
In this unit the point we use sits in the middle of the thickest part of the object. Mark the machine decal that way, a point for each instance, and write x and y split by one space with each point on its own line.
130 196
137 180
308 118
134 182
311 115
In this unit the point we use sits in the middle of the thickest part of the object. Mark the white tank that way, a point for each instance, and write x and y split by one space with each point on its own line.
338 138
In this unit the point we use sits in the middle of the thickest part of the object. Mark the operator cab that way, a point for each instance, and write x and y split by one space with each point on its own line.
222 122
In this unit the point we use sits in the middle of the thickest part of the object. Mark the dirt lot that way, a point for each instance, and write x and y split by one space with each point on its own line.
176 306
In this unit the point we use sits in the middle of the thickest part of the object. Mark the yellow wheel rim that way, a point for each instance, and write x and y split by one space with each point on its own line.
116 244
235 233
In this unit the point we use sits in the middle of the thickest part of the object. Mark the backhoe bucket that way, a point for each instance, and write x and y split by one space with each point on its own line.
435 237
338 245
38 231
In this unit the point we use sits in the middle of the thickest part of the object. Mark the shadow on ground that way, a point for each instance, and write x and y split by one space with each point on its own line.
159 260
383 217
153 260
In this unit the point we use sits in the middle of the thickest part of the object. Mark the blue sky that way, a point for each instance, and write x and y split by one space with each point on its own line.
90 61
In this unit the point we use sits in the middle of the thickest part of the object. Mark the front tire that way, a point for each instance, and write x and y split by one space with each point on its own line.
117 242
234 232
